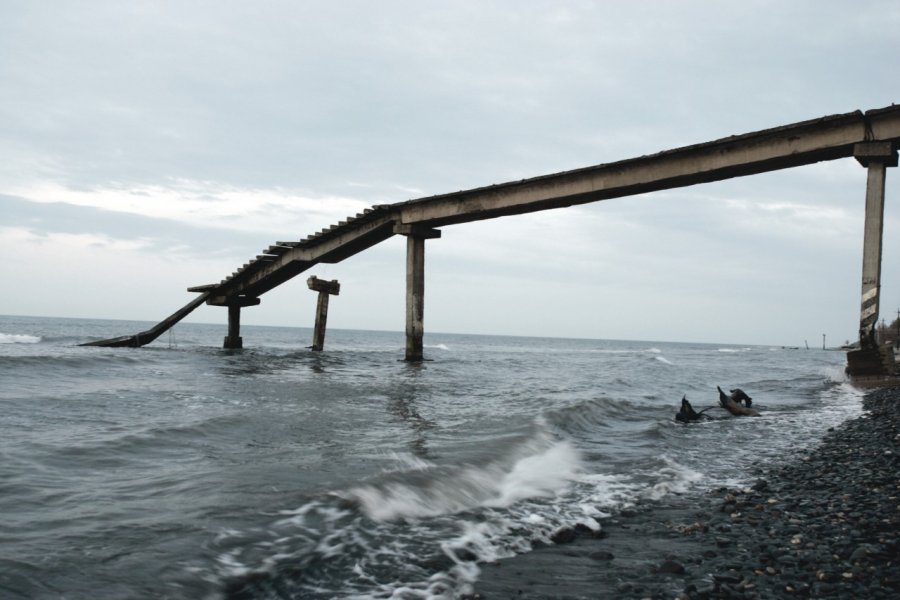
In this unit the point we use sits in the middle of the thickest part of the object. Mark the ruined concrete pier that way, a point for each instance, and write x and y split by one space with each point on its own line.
872 137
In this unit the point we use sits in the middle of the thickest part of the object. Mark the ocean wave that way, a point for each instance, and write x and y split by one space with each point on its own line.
624 351
414 533
538 467
593 415
437 346
72 360
19 338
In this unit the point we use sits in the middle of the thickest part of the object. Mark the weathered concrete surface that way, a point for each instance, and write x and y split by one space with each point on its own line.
325 289
794 145
876 157
803 143
234 340
415 297
145 337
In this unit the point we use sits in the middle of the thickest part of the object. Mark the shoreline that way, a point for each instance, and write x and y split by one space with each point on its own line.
825 524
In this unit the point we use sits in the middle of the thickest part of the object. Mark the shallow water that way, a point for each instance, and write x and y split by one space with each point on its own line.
182 470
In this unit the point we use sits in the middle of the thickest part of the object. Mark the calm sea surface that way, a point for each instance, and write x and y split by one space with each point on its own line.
181 470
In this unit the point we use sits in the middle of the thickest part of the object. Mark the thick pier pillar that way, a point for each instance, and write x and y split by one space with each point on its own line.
325 289
876 157
233 340
415 286
869 359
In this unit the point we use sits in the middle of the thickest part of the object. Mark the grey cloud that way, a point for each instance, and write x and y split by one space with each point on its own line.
160 234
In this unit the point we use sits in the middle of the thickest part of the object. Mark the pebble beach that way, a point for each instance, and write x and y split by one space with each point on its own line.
822 525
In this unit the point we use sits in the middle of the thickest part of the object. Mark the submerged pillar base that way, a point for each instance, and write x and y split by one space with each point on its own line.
871 362
233 343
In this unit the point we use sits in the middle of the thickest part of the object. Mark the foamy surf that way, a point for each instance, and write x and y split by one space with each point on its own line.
437 346
536 468
18 338
448 518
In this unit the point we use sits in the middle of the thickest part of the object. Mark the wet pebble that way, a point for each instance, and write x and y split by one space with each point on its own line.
815 526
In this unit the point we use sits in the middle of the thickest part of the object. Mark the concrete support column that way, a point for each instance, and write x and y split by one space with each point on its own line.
234 303
876 157
871 363
321 321
325 289
415 286
233 340
415 297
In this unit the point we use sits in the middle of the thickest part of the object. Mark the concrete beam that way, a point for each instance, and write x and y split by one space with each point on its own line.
794 145
145 337
419 231
232 301
883 124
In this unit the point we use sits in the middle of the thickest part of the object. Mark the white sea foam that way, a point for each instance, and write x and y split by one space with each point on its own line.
13 338
674 478
542 469
836 374
614 492
539 475
663 359
437 346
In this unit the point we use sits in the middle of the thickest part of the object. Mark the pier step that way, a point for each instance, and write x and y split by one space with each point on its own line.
278 249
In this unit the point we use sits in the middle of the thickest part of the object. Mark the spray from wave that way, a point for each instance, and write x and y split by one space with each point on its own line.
539 467
417 531
13 338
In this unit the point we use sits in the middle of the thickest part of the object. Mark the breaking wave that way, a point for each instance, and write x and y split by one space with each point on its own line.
13 338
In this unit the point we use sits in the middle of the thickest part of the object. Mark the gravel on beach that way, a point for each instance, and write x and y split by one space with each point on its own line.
824 525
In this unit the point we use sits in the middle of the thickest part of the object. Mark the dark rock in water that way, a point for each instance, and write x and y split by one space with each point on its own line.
602 555
564 536
466 555
671 566
731 577
581 528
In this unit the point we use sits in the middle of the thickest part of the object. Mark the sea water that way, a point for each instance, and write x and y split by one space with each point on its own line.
182 470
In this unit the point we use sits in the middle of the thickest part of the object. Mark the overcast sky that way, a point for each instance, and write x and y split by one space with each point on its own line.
146 147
